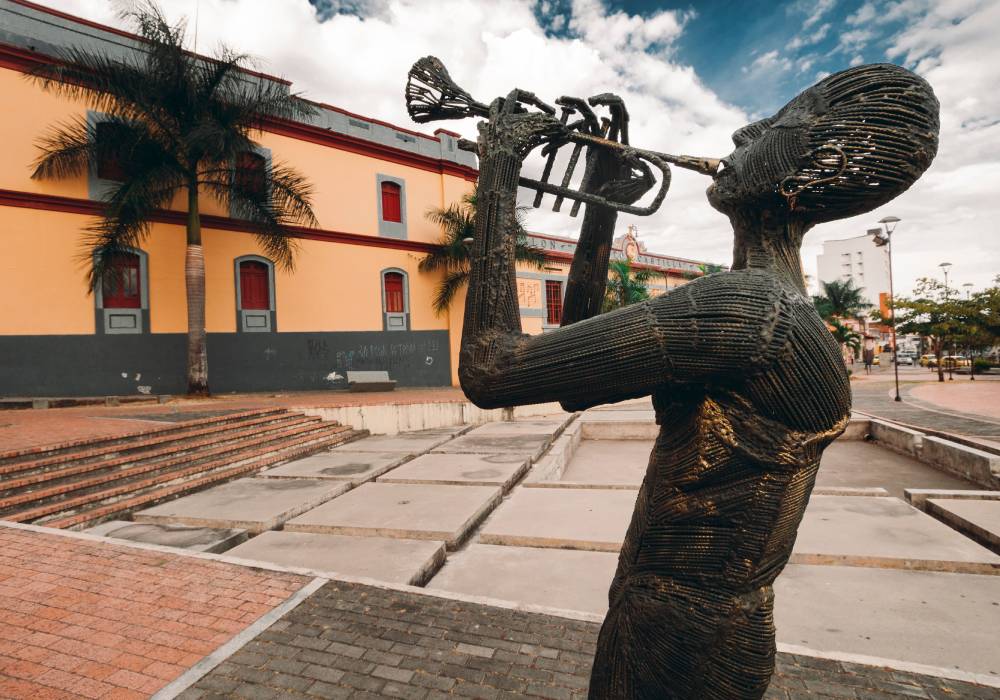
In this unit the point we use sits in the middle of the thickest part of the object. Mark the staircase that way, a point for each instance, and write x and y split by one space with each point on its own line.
74 485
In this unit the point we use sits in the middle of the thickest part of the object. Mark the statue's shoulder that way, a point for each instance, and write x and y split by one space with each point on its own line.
746 283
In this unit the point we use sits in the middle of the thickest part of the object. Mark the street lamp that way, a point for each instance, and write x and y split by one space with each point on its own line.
945 266
968 289
885 239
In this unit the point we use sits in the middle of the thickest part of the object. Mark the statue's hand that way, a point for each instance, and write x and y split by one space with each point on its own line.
617 174
516 129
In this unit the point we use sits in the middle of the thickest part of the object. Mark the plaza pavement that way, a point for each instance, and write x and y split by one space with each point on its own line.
513 530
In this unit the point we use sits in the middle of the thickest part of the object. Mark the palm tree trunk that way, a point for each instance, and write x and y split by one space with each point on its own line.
194 277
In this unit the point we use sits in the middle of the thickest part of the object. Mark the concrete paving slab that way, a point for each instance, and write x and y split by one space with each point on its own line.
979 520
592 519
410 562
253 504
855 463
355 467
520 427
849 491
918 497
887 533
408 511
529 445
194 539
608 463
938 619
558 578
459 469
411 443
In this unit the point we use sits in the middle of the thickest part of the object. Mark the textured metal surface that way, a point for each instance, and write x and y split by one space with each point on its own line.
749 386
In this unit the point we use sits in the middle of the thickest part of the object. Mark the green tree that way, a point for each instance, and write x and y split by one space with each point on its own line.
174 123
933 314
626 286
451 254
711 268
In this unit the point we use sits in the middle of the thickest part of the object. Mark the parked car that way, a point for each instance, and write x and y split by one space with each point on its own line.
928 361
953 361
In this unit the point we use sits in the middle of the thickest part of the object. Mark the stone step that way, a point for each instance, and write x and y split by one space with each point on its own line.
16 461
175 447
159 493
190 457
311 441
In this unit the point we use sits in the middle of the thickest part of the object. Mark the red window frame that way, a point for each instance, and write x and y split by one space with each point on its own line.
255 285
109 166
251 173
394 294
392 202
122 285
553 302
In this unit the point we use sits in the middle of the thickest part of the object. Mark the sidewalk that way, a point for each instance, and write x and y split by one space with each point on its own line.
119 621
961 407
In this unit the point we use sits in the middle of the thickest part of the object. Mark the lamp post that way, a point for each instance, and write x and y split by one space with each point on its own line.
945 266
968 289
885 239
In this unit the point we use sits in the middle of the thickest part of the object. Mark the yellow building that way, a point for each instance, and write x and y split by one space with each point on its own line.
355 301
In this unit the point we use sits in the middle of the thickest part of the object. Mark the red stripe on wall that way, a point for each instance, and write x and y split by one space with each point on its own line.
72 205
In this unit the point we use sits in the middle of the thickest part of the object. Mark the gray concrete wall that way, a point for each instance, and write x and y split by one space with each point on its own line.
94 365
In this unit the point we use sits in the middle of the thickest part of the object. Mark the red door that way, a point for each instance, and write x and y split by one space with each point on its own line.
254 287
390 202
121 288
394 303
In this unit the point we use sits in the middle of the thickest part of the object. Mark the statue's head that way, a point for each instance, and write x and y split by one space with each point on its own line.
845 146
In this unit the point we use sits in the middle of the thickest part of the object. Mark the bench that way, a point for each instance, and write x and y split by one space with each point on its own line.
370 381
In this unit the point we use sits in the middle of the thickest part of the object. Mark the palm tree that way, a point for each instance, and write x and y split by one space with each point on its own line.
626 286
451 254
173 122
840 300
845 336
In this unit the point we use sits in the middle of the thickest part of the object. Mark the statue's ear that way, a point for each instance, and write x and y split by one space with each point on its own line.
822 166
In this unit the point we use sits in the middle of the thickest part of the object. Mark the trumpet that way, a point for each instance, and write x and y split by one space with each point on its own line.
432 95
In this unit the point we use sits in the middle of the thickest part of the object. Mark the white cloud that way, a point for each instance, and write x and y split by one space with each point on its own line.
809 39
819 8
360 65
770 62
864 15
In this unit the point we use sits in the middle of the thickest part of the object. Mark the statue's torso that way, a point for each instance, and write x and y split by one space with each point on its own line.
731 472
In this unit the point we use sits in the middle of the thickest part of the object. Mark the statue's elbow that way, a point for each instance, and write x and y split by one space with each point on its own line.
476 388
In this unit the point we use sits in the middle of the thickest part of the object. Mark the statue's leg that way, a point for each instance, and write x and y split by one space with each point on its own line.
684 649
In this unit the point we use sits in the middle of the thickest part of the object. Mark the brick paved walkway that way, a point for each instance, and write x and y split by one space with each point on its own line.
352 641
34 427
87 619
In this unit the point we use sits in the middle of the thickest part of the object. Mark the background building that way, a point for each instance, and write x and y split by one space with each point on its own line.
355 300
858 259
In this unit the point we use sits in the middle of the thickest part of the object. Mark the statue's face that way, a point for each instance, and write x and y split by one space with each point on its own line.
767 151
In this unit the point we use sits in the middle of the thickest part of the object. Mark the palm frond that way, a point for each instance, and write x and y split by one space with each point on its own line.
66 150
127 218
285 201
453 281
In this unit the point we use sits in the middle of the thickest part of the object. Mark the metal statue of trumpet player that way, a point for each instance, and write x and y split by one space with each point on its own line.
748 385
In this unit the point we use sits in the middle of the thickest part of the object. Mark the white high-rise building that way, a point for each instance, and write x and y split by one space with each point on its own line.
858 259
